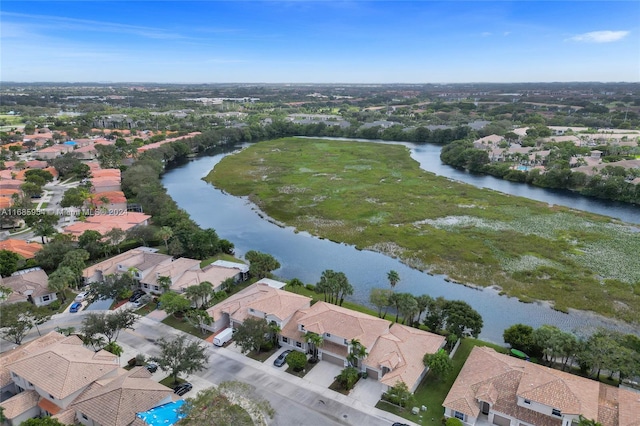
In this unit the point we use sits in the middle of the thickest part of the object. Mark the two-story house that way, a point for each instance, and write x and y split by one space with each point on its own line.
494 388
394 351
57 376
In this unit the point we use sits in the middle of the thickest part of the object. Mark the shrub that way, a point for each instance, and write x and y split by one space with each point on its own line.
452 421
310 287
296 360
55 305
140 359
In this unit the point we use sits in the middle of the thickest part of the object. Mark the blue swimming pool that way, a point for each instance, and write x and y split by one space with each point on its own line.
163 415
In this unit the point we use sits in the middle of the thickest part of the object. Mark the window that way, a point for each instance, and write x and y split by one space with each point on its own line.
556 412
328 335
145 285
298 344
84 416
302 327
51 396
285 339
251 310
345 342
156 288
46 298
526 401
458 415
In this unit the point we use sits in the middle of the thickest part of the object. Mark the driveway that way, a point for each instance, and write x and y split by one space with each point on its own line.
368 391
323 374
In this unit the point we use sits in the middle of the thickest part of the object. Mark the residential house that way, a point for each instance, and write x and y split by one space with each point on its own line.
507 391
57 376
23 248
137 261
53 151
147 266
259 300
109 201
104 222
29 285
395 351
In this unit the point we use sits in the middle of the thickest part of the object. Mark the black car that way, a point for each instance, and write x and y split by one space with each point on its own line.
151 367
136 295
399 424
182 388
282 358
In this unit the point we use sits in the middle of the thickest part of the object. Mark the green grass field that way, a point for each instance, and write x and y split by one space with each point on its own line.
377 198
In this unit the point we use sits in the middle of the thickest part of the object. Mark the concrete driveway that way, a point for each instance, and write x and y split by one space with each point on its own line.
323 374
368 391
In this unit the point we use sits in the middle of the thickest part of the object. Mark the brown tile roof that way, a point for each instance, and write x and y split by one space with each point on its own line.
117 402
23 351
280 303
105 223
401 350
173 269
23 248
20 403
70 367
34 283
324 317
486 370
135 258
214 274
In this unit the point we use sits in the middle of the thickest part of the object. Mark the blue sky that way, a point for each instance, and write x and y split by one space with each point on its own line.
319 42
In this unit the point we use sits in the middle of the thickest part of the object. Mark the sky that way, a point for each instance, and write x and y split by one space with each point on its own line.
319 42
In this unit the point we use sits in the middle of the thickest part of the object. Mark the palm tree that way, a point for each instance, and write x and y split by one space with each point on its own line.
393 278
193 293
274 330
314 340
165 233
206 289
357 352
164 282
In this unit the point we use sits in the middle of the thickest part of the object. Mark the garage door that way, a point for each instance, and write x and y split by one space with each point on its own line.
372 374
333 359
501 421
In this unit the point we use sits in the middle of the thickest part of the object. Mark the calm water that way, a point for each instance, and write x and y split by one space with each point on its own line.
305 257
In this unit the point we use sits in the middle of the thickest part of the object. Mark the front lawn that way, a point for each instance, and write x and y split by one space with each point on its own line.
431 393
220 256
183 325
262 356
168 382
302 372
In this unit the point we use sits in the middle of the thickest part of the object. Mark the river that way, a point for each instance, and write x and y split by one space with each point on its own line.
305 257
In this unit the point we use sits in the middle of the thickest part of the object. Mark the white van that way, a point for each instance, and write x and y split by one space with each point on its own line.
223 337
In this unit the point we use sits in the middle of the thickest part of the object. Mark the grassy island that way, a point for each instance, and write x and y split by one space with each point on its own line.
376 197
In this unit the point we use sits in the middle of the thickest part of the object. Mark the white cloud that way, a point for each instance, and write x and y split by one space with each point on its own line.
600 36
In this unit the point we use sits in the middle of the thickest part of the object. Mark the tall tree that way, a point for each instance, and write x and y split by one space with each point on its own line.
379 297
18 319
8 262
181 356
251 334
393 278
519 336
357 352
261 264
231 403
174 303
315 341
407 306
108 325
439 364
43 225
60 280
165 233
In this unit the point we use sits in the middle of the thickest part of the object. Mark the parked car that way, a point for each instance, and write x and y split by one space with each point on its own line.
282 358
136 295
152 367
75 307
81 297
182 388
